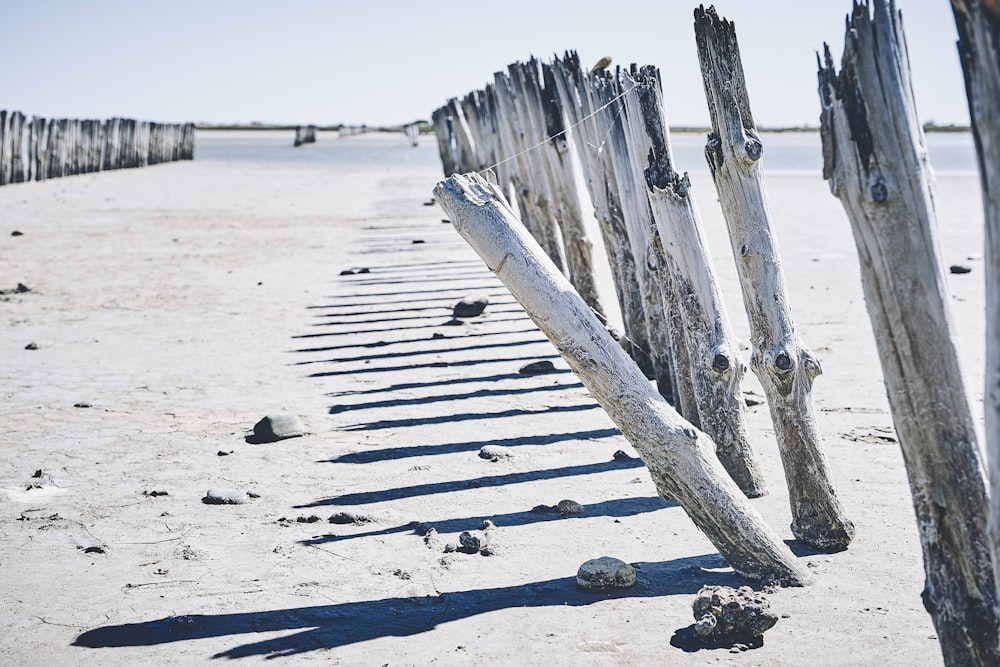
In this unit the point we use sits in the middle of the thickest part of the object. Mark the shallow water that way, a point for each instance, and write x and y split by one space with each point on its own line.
784 152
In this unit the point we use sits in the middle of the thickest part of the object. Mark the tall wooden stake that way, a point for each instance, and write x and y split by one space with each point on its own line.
876 161
782 363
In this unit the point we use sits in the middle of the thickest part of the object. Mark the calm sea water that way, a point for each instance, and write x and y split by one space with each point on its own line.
784 153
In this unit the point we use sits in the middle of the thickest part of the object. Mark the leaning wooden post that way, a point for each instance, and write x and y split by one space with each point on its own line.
714 353
785 367
876 161
680 458
979 48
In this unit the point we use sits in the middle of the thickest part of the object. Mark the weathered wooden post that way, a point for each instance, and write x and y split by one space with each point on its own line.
704 328
533 199
16 146
577 98
672 382
876 162
979 48
5 139
412 133
680 458
304 134
785 367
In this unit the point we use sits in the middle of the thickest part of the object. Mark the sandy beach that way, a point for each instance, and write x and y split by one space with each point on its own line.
168 309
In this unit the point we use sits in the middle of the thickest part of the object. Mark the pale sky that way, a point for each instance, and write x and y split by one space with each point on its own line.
391 62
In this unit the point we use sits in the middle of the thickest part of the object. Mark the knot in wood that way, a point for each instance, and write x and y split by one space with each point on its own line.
754 149
783 361
879 192
720 363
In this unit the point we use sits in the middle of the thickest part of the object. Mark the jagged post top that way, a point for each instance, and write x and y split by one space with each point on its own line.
733 127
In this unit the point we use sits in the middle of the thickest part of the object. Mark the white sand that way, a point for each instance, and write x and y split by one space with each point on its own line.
186 301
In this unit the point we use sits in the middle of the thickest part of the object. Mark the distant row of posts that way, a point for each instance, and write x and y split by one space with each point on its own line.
37 149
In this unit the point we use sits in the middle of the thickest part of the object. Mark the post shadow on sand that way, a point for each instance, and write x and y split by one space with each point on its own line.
434 364
394 453
418 353
399 493
426 400
458 334
618 507
442 322
424 300
441 383
335 625
464 416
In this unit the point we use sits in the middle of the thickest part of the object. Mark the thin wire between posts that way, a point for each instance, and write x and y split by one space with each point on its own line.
578 123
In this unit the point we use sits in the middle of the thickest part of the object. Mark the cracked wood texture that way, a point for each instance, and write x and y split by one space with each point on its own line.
680 458
978 25
876 162
785 367
712 349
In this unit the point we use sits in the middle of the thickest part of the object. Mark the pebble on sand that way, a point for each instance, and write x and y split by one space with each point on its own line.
960 268
471 306
537 368
567 507
220 496
605 574
495 452
277 426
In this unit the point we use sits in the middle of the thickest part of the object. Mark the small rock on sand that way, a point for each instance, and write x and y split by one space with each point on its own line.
605 574
31 346
220 496
495 452
726 616
960 268
350 517
537 368
471 306
567 507
277 426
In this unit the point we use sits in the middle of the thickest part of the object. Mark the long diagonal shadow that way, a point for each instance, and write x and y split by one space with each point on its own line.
619 507
335 625
425 400
434 364
464 416
417 353
393 453
438 383
460 334
399 493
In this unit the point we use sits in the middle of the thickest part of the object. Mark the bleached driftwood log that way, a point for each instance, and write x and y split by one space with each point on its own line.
979 48
715 365
876 161
680 458
782 363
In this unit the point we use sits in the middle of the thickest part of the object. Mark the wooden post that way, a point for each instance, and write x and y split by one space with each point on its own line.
532 191
979 48
680 459
876 162
577 97
704 328
5 140
782 363
638 225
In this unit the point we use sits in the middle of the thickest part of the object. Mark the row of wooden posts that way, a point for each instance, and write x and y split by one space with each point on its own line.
538 126
36 149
